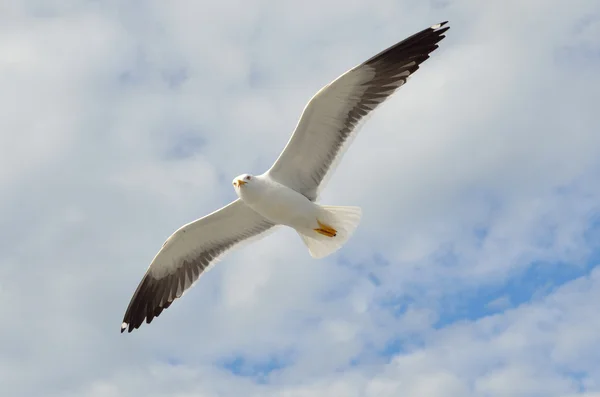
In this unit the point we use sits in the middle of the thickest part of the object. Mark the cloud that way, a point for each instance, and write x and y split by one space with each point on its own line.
473 271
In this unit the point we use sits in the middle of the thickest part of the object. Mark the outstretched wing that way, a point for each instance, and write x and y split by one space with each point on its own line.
332 117
186 254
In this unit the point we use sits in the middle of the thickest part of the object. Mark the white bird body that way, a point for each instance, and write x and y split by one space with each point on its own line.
323 228
278 203
286 194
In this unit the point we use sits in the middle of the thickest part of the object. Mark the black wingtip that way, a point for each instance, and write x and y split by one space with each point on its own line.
418 46
439 28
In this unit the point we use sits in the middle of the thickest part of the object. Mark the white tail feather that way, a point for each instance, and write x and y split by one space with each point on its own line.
344 220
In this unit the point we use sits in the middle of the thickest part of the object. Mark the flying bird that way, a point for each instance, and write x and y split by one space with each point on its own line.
286 194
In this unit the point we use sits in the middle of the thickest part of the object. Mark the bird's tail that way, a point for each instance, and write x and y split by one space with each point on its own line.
335 226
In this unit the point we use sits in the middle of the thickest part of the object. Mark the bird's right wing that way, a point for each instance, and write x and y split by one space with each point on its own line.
186 255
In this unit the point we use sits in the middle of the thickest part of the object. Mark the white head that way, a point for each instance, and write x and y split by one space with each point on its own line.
242 180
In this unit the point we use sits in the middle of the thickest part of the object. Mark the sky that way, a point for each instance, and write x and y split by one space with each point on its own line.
474 271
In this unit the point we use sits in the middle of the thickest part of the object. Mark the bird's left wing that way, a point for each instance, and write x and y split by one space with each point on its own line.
332 117
186 254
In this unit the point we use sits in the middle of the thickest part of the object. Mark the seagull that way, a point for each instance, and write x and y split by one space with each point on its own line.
286 194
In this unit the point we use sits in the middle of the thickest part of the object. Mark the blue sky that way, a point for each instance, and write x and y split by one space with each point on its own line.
474 271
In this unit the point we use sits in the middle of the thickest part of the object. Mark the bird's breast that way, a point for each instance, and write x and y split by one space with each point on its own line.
280 204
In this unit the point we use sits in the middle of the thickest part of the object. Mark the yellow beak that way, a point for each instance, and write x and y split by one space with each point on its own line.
240 182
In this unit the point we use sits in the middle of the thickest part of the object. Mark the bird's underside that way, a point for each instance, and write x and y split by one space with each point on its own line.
328 123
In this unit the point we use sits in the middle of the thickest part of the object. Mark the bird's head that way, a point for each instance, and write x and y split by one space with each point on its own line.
241 180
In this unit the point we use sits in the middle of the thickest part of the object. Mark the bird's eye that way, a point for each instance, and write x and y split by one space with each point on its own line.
248 178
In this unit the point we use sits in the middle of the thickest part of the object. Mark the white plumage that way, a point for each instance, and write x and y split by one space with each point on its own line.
286 193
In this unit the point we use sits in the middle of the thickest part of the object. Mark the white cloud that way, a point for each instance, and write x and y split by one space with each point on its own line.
485 163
